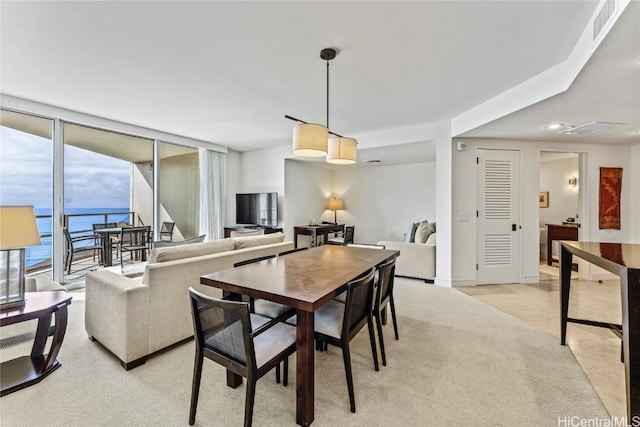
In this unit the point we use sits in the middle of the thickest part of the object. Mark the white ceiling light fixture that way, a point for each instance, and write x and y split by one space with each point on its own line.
590 128
313 140
554 126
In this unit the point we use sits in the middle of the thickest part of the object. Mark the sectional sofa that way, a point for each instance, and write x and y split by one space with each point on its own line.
136 317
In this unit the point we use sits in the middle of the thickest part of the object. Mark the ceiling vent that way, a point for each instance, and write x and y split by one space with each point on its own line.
603 17
590 128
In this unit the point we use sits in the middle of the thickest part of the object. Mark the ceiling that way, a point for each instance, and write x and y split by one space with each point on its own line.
228 72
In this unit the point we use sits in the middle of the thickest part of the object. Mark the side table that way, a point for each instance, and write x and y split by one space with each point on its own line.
24 371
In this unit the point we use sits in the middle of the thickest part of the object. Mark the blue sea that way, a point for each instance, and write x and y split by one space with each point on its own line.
78 225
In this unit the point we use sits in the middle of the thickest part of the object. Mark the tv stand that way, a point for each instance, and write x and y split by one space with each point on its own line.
267 229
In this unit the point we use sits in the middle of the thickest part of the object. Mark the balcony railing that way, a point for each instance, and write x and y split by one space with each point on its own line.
38 258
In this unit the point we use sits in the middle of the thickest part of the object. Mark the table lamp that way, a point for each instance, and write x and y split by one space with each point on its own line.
334 204
18 228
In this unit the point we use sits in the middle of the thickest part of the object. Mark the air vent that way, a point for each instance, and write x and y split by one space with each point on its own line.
603 17
590 128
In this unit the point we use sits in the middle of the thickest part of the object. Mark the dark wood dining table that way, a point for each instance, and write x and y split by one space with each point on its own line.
306 281
623 260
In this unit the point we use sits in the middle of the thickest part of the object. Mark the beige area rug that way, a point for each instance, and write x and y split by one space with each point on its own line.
458 362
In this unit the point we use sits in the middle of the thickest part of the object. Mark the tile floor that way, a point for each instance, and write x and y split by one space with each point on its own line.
597 350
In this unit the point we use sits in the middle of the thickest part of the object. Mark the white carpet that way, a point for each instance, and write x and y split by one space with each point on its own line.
458 362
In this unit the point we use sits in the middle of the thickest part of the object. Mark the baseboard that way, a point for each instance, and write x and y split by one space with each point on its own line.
531 279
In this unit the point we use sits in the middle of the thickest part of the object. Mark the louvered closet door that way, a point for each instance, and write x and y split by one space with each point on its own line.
498 222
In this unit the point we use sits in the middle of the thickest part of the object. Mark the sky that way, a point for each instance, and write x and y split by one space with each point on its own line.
91 180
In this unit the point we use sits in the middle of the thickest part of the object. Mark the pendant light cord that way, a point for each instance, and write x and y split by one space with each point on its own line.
327 94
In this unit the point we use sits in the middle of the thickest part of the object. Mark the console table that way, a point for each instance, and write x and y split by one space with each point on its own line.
240 228
314 231
559 232
24 371
622 259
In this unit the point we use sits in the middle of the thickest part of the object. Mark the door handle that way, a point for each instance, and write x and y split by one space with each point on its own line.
513 227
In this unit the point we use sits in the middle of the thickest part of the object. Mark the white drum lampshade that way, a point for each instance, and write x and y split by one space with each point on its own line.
310 140
342 151
18 228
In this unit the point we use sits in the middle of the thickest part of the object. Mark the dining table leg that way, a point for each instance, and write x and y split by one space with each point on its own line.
304 368
107 258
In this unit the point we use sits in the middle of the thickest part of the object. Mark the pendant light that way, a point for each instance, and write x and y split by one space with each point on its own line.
314 140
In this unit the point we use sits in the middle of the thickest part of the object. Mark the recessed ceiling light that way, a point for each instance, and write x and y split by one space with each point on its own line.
554 126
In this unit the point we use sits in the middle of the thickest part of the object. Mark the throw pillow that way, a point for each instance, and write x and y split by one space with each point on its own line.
424 231
407 235
171 253
253 241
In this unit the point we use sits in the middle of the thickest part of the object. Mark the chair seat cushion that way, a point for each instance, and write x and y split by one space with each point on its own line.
273 341
328 319
269 308
341 298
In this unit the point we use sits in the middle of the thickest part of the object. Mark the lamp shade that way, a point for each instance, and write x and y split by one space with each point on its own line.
18 227
310 140
334 204
342 151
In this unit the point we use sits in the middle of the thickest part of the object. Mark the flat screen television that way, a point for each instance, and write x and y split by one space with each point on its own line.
257 209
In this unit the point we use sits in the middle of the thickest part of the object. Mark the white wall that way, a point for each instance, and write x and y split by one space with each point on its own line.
563 200
382 201
464 167
307 188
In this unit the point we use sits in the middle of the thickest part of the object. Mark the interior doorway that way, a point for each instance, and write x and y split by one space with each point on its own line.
560 213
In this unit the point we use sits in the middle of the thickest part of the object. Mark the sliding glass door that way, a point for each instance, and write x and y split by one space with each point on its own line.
26 178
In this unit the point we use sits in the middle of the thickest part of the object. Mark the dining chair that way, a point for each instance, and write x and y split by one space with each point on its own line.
245 344
343 296
264 307
167 230
75 245
342 238
338 324
135 241
384 297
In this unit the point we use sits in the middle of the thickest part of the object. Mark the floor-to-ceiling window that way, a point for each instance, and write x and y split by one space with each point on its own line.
26 177
77 176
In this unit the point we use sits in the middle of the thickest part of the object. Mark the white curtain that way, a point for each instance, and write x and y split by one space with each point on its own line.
213 170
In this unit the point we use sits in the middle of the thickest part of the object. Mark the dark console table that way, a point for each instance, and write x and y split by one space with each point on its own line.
24 371
240 228
559 232
622 259
316 230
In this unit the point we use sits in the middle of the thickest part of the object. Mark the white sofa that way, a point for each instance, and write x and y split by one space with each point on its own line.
135 317
417 260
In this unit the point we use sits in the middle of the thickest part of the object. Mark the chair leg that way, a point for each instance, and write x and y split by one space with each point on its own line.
393 317
372 338
195 388
380 338
285 374
347 368
248 406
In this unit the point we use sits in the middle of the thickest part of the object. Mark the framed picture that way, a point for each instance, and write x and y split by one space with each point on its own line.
544 199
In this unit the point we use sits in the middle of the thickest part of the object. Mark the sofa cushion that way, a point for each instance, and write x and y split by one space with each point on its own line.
171 253
253 241
423 232
431 240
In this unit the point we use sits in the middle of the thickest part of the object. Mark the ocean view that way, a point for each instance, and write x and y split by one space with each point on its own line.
78 225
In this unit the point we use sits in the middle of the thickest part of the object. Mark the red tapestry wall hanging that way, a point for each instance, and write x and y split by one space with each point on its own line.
610 187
